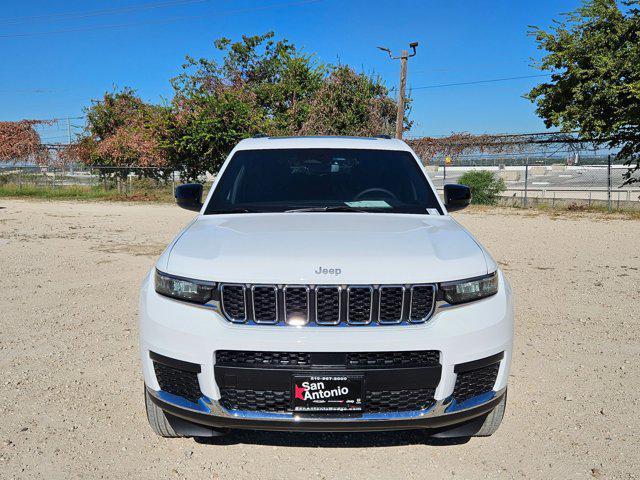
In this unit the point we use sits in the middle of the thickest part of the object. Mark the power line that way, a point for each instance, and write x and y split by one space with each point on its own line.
30 90
161 21
50 119
54 17
475 82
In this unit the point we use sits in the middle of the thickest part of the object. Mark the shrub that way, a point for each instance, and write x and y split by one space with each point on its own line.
485 186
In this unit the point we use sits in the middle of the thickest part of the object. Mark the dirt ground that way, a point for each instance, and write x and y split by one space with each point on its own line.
71 403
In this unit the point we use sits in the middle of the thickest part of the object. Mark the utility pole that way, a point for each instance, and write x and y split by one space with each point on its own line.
68 139
403 57
68 131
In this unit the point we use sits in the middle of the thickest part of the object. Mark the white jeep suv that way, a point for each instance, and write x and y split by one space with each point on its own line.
323 286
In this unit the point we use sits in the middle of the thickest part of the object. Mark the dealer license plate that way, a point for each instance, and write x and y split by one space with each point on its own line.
327 393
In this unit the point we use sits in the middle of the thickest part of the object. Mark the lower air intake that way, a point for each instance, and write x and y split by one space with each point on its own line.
385 401
178 382
475 382
255 400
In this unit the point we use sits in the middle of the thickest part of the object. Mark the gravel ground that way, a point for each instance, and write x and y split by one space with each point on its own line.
71 401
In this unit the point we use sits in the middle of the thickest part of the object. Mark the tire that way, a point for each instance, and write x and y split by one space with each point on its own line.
157 419
493 420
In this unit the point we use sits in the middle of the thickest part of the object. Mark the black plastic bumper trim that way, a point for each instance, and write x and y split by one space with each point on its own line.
280 379
303 425
482 362
172 362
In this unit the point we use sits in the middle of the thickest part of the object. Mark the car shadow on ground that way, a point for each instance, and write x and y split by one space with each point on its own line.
330 440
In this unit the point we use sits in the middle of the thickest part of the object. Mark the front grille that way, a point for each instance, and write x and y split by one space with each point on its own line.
328 304
280 401
422 303
475 382
265 304
399 400
234 302
296 305
359 306
421 358
255 400
178 382
391 302
408 359
245 358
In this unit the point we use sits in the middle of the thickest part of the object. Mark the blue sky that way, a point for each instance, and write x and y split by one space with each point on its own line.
141 44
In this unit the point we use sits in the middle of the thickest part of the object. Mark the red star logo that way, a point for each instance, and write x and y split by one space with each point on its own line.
300 392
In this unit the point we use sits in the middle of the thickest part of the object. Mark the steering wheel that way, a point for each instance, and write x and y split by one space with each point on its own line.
386 192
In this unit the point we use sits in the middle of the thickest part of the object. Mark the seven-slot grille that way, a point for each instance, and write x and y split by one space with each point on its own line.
328 304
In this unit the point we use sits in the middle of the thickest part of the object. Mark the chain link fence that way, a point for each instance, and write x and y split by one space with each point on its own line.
559 181
123 180
529 180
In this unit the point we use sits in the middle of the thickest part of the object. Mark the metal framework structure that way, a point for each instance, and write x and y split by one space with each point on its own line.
524 144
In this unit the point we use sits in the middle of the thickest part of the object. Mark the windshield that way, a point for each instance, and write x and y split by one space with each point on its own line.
280 180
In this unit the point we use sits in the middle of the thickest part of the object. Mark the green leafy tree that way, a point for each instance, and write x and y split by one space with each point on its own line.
485 186
263 85
349 103
594 54
258 85
205 129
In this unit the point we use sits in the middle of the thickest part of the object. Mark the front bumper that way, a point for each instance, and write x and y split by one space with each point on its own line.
462 335
211 414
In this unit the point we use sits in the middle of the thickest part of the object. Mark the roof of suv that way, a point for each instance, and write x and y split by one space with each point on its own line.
372 143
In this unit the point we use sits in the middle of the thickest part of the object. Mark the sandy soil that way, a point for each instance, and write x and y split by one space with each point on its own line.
71 402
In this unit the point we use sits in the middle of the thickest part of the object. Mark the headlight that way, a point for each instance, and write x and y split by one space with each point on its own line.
197 291
473 289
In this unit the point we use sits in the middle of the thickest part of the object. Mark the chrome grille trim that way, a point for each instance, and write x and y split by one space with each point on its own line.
329 305
354 288
287 320
269 321
222 302
433 303
390 321
338 288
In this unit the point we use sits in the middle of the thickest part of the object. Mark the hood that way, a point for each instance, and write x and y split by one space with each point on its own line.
325 248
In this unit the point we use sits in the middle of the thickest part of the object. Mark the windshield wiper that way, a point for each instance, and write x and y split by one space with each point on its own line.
335 208
233 210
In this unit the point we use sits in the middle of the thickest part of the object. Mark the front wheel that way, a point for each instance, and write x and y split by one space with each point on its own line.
493 420
157 419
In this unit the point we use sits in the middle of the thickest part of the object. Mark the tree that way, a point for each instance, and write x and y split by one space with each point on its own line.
122 132
205 129
20 141
349 103
594 54
261 85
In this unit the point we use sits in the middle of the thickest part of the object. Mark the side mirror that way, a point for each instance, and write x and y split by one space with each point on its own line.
456 197
189 196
